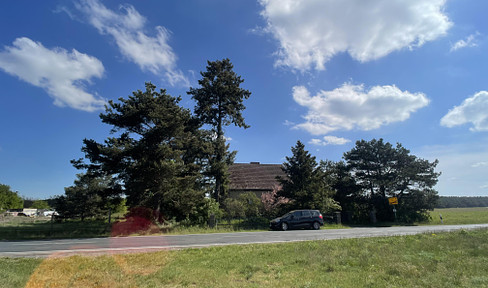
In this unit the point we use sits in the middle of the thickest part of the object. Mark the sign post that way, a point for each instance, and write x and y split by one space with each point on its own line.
393 201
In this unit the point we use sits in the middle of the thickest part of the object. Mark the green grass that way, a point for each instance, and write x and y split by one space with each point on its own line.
453 216
15 272
22 228
458 259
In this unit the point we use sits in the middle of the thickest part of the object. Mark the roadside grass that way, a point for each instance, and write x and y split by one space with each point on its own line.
457 259
15 272
22 228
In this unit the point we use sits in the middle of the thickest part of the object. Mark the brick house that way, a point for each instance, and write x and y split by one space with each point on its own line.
253 177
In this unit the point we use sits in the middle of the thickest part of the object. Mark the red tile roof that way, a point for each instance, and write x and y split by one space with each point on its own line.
254 176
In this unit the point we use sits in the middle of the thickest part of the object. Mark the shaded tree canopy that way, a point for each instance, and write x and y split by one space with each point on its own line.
382 171
155 155
305 184
219 103
85 198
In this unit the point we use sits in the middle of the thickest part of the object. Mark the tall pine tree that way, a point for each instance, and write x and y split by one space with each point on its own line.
155 155
219 103
305 184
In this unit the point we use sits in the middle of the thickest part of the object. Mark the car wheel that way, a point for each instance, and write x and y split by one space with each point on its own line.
284 226
316 225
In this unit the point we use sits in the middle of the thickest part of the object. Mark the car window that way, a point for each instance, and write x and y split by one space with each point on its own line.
297 213
306 214
315 213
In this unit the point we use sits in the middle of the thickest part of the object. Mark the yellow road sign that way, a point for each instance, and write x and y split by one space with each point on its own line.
393 200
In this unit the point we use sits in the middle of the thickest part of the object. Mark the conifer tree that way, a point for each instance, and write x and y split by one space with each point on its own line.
219 103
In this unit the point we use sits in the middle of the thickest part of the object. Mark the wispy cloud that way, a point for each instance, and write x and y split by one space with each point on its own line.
60 73
288 123
480 164
473 110
310 33
127 27
470 41
329 140
354 107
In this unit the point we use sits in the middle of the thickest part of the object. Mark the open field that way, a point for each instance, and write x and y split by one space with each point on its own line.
459 216
458 259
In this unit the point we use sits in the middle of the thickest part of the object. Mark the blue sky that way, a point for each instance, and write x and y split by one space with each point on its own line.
326 72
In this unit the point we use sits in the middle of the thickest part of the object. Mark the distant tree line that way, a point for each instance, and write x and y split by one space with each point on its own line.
461 202
175 161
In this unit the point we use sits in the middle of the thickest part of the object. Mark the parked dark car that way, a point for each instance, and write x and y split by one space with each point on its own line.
297 219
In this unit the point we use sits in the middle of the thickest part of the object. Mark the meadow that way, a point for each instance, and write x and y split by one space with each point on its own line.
453 216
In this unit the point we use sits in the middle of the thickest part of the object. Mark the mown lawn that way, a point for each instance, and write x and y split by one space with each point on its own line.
458 259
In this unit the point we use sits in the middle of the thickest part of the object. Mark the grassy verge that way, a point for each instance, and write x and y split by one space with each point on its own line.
21 228
458 259
15 272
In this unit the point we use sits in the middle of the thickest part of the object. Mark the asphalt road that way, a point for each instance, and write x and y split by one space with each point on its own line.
98 246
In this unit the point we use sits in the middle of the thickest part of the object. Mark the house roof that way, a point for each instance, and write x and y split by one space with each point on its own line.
254 176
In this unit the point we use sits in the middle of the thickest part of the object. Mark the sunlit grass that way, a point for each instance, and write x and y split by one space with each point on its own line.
453 216
15 272
458 259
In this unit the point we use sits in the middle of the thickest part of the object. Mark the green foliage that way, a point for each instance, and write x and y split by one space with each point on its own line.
219 103
86 198
211 207
247 205
9 199
234 208
380 171
348 193
155 156
252 204
305 184
40 204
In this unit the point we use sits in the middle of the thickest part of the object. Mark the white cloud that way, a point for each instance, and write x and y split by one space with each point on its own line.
352 107
469 42
288 123
61 73
473 110
329 140
311 32
152 54
479 164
